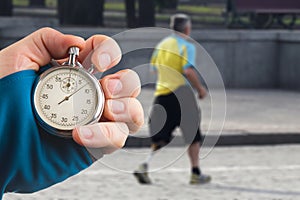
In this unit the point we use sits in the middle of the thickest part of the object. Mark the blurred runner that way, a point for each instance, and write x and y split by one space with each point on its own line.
175 104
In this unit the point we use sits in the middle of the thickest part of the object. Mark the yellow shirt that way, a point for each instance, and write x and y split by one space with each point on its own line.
170 57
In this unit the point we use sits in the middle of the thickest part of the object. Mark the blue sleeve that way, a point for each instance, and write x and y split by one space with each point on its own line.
31 159
190 56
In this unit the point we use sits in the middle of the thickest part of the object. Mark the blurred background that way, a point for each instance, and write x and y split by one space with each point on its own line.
253 44
228 29
205 13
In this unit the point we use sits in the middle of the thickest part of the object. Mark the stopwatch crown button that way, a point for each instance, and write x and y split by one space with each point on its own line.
74 51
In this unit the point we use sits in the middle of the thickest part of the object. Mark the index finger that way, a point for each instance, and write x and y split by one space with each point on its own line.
101 51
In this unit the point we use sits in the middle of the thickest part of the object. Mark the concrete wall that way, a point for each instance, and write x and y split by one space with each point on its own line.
289 62
245 58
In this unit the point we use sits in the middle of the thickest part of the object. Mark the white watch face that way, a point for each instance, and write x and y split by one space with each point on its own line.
67 97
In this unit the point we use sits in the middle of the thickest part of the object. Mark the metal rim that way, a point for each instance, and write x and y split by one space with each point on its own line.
99 107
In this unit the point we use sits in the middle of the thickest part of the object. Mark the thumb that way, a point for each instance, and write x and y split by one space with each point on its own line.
36 50
109 136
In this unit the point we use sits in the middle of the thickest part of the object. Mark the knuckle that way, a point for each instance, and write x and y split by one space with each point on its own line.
115 135
135 82
136 112
46 30
108 132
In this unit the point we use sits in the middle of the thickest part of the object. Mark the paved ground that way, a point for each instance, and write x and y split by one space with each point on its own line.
265 172
252 117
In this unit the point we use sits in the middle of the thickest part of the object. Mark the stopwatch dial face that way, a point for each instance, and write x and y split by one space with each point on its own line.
66 98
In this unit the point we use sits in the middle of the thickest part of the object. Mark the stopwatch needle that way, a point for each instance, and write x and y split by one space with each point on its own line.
67 97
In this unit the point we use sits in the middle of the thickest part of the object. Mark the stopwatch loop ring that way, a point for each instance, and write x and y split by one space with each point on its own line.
73 54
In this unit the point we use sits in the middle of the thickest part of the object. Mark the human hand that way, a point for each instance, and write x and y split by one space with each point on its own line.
122 113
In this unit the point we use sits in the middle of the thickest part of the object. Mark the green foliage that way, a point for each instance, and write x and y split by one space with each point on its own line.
49 3
200 9
116 6
21 2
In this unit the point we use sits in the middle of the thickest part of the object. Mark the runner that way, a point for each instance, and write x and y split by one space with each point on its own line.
173 59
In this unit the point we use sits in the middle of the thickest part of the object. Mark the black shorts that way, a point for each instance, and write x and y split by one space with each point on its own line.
178 109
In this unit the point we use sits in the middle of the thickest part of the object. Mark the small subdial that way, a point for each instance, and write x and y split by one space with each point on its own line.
68 85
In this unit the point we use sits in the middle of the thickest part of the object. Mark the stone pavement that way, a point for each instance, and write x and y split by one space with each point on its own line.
253 117
241 172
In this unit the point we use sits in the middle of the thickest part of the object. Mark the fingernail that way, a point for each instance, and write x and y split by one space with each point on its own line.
114 86
117 107
104 60
85 133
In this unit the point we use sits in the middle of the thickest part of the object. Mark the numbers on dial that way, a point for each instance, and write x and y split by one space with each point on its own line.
49 86
47 107
66 99
53 115
45 96
64 119
68 85
57 79
75 118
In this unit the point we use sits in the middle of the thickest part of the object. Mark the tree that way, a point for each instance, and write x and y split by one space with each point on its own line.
6 8
78 12
40 3
130 13
146 13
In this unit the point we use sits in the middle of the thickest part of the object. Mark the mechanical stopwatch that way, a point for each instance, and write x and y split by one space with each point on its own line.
66 96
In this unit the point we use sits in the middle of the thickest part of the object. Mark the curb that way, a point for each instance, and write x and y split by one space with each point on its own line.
227 140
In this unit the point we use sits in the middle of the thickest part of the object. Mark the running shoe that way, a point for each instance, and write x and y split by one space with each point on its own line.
141 174
200 179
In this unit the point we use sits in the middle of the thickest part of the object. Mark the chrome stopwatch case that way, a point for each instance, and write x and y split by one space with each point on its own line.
66 96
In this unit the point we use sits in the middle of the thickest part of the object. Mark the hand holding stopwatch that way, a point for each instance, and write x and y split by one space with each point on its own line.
67 96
